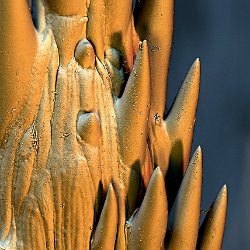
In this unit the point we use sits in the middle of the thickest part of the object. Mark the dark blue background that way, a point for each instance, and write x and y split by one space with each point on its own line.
218 32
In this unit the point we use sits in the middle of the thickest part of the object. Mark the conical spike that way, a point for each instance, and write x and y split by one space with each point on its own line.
96 27
118 33
185 228
212 229
105 233
88 128
132 111
181 119
63 8
150 18
148 227
17 52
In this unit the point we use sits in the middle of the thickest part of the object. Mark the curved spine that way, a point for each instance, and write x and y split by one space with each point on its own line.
185 228
145 233
181 119
212 229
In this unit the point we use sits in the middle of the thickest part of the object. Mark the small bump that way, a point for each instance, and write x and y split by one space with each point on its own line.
88 128
114 56
85 54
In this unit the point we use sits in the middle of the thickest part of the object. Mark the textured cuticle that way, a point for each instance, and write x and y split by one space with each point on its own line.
87 158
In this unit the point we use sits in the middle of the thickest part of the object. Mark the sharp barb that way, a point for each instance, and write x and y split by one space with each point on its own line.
185 228
105 233
88 128
63 8
212 229
132 111
150 18
181 119
148 227
17 52
95 27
